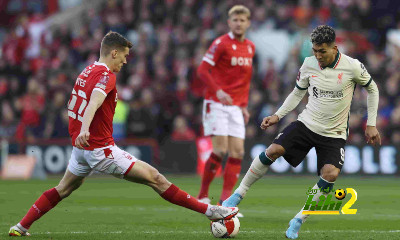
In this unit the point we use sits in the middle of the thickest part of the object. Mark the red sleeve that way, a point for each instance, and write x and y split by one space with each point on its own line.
106 83
214 52
204 73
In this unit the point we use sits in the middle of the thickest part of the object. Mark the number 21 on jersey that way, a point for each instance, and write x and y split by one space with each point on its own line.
77 113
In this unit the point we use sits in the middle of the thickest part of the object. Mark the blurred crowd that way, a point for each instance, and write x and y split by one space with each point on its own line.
159 93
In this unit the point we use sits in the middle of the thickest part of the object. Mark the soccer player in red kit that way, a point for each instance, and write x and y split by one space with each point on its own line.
226 69
91 110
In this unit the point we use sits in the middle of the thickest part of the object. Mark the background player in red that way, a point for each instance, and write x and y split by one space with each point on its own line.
91 110
226 69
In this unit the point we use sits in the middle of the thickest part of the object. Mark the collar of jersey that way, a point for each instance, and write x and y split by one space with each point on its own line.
230 34
334 63
102 64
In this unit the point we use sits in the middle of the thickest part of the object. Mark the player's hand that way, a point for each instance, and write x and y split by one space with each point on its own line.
246 115
82 140
269 121
224 98
372 135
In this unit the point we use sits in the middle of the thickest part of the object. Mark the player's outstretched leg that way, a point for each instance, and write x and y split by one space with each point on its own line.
258 168
48 200
294 225
143 173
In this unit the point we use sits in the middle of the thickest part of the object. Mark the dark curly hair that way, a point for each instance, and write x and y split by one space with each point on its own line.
323 34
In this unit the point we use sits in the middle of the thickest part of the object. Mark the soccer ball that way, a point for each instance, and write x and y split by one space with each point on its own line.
225 228
340 194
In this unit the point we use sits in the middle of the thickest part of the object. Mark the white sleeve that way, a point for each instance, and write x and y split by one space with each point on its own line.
372 103
291 102
362 77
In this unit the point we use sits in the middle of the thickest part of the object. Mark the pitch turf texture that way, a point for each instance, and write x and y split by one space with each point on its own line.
108 208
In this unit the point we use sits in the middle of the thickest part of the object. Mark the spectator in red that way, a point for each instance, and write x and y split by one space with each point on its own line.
182 132
31 106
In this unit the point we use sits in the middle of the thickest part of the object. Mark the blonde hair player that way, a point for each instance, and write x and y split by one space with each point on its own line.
226 69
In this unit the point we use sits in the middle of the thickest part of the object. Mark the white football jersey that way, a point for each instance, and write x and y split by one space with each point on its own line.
331 90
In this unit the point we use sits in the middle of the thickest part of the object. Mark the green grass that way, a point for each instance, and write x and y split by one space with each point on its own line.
108 208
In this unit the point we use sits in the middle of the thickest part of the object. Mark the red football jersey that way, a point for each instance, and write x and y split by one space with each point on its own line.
233 66
96 77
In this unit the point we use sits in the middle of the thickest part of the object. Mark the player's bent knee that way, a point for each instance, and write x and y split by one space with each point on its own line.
220 152
236 154
66 190
274 151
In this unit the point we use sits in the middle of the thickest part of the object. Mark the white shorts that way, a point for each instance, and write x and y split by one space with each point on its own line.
111 160
222 120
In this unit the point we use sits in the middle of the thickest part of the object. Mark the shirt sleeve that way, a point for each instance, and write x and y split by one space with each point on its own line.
302 80
361 75
105 84
214 52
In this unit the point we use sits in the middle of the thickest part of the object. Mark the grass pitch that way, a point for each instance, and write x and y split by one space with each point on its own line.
108 208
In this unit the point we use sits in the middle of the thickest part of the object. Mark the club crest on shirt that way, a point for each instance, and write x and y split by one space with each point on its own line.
340 77
234 46
249 48
103 82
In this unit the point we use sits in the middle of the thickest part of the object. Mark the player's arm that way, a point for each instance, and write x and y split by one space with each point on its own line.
288 105
211 57
204 73
371 132
363 78
96 99
291 102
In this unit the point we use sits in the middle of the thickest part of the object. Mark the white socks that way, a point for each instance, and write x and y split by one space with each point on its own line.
255 172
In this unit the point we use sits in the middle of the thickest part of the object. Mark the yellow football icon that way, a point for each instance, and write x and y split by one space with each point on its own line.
340 194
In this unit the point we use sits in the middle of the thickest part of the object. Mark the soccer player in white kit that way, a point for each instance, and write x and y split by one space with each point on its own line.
330 77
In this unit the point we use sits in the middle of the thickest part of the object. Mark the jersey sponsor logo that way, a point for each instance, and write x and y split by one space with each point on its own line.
314 76
241 61
315 92
340 77
319 93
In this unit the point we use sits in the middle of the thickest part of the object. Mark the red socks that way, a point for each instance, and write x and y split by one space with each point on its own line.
210 169
176 196
231 175
47 201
